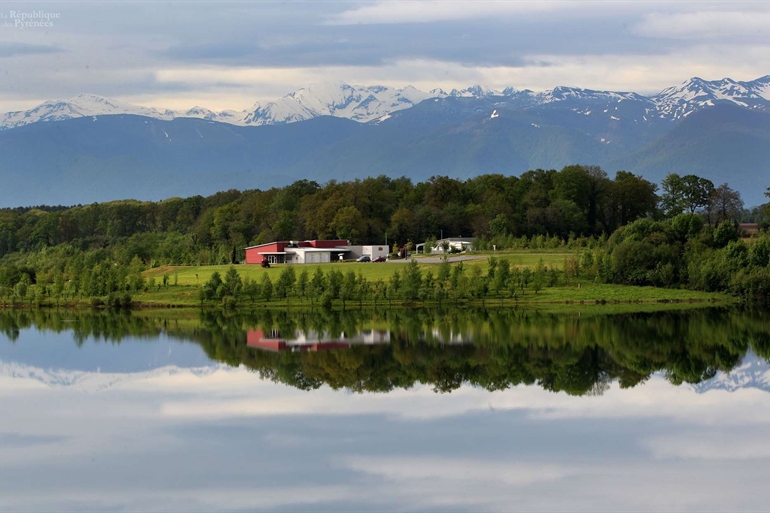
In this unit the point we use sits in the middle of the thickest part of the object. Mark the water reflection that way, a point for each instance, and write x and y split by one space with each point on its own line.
575 352
180 412
298 341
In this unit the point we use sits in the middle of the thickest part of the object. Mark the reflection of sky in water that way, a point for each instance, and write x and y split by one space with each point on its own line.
161 428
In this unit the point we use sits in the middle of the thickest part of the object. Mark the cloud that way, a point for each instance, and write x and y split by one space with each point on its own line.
707 25
230 55
13 49
429 11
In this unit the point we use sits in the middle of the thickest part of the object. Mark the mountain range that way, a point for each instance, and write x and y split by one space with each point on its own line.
91 148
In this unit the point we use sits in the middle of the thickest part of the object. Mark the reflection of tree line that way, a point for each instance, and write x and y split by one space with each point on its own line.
571 353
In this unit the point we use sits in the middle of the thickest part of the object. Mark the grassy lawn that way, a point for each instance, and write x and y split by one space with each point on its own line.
584 291
196 275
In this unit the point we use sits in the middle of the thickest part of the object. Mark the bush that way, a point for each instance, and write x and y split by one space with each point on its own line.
229 302
725 234
96 302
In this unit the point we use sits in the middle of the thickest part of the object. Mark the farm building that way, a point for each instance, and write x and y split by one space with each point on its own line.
311 252
451 243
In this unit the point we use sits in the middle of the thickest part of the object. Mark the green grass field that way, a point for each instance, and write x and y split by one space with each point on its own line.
197 275
188 280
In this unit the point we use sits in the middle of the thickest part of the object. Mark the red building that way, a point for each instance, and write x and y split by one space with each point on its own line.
311 252
297 252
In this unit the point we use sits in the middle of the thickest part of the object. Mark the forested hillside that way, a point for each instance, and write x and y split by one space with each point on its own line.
627 233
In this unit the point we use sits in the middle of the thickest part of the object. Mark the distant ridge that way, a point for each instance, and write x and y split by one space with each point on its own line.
376 103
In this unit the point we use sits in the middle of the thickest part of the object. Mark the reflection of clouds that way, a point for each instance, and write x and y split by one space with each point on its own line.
628 486
175 500
711 445
655 399
225 439
411 468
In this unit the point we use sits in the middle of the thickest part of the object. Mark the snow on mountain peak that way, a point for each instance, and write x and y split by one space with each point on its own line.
359 103
377 103
678 101
475 91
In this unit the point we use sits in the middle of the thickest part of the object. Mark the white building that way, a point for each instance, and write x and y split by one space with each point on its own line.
453 244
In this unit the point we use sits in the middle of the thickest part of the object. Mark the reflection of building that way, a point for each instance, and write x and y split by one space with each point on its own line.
451 338
311 252
298 341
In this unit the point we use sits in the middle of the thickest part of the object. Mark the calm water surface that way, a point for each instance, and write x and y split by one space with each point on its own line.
385 411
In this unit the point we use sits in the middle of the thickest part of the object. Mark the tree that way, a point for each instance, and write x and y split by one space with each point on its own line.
348 223
250 288
685 193
586 187
502 275
394 286
303 283
727 204
317 284
412 281
498 227
58 286
349 288
631 197
402 225
724 234
286 281
267 287
232 282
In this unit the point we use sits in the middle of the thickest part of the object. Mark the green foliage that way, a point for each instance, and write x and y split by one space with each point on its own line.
724 234
266 286
285 283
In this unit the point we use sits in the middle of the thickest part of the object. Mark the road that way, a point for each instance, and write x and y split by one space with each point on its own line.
437 259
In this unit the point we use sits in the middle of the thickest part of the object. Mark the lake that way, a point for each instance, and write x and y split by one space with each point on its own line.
571 409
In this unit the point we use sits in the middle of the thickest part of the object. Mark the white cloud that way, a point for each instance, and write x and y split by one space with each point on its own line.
706 24
427 11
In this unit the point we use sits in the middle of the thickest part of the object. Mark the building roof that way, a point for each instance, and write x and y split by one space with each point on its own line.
456 239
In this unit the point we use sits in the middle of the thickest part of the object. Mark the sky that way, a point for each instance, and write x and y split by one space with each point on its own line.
230 55
80 433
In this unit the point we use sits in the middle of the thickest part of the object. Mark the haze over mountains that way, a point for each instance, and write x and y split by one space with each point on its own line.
91 148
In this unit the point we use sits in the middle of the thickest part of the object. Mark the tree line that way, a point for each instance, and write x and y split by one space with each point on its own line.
684 236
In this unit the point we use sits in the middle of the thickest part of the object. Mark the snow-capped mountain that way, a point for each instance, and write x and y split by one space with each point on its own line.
753 372
377 103
359 103
82 105
679 101
479 91
85 105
